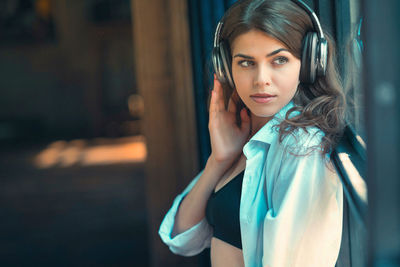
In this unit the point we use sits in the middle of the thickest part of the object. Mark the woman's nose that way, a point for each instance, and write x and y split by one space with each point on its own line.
263 77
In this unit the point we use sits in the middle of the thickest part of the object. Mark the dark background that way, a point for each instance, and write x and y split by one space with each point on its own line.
67 87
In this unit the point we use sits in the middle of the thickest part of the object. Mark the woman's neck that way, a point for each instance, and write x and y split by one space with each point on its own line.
257 123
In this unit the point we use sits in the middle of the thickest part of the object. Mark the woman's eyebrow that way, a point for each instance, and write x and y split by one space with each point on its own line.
270 54
277 51
244 56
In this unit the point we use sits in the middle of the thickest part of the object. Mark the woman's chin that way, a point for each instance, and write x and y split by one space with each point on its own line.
262 113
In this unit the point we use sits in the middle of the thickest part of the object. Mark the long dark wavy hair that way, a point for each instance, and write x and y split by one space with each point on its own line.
321 104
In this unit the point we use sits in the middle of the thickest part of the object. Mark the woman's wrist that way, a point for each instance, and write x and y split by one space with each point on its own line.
213 165
217 167
216 163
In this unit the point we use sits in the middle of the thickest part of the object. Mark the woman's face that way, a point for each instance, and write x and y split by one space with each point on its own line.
265 73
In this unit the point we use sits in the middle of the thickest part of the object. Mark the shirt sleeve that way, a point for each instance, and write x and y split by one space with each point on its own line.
304 225
192 241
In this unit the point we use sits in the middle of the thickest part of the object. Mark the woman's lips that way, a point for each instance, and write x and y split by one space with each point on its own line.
262 98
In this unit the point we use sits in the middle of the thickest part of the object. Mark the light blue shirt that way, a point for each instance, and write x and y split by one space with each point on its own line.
291 206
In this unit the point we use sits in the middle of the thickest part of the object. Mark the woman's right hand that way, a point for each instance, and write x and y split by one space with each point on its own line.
227 141
227 138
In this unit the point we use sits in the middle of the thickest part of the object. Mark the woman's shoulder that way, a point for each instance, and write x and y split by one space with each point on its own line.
304 140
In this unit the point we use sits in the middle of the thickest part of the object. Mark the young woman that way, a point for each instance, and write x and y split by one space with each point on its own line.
268 195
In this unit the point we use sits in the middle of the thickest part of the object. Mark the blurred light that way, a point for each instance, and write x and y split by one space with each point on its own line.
106 154
50 156
355 178
96 152
136 105
385 94
43 8
71 153
361 142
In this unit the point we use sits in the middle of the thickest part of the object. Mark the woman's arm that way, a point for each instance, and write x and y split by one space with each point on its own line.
193 240
227 141
184 228
192 209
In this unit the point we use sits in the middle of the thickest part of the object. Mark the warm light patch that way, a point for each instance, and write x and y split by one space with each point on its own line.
361 141
356 180
43 8
95 152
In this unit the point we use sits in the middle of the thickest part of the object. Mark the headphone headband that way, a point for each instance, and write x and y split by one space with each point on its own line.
304 6
313 17
217 33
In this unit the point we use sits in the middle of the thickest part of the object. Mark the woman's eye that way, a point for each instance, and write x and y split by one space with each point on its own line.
281 60
245 63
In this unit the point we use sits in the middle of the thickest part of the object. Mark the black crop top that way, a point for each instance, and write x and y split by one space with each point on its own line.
222 212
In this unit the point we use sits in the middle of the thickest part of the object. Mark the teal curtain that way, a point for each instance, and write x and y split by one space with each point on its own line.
204 16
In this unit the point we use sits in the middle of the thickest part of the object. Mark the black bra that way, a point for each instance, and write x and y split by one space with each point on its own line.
222 212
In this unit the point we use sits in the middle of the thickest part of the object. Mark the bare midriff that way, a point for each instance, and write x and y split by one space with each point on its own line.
224 254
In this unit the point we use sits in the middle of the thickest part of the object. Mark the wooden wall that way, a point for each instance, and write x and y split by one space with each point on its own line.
164 78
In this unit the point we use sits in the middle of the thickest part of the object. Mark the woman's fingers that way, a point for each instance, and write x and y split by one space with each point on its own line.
214 99
231 106
217 99
219 95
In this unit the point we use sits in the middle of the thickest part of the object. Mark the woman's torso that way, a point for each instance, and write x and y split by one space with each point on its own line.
223 253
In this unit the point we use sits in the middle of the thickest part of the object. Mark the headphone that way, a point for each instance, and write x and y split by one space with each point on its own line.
313 58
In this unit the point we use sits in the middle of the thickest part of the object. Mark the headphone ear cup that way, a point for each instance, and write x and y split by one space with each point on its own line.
322 57
308 70
226 63
216 59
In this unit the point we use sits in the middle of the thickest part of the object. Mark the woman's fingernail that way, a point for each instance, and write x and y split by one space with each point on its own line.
215 76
